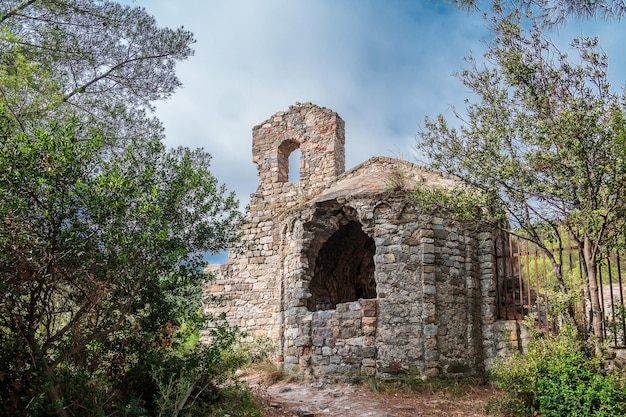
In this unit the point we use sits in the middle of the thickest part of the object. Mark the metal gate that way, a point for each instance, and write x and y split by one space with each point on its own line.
526 278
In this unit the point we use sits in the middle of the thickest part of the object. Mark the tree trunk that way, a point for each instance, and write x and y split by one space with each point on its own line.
557 269
596 308
53 391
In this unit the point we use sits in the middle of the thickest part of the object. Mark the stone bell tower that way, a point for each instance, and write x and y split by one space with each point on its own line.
319 134
253 278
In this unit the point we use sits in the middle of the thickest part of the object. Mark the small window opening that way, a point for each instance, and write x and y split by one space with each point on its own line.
344 269
289 161
294 166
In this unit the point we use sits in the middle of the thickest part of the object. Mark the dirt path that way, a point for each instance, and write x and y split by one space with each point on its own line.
343 400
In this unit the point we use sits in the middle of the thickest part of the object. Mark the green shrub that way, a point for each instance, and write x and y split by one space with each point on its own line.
571 384
558 376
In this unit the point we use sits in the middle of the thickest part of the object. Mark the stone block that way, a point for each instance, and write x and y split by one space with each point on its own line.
428 248
368 362
389 258
355 306
369 321
323 332
397 248
325 314
347 332
356 341
368 371
369 352
428 258
353 314
369 330
382 241
431 355
352 359
440 234
430 290
430 330
291 360
328 370
318 323
319 360
216 288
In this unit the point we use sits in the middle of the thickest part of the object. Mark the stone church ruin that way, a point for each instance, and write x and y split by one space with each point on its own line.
344 275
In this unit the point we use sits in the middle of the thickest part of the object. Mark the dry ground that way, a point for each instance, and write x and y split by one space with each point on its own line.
290 399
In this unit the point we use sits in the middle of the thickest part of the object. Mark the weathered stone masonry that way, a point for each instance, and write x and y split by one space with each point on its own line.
343 273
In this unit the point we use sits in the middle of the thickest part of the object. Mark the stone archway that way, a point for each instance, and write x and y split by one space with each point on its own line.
344 268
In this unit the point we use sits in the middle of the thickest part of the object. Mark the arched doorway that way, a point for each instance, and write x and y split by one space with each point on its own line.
344 268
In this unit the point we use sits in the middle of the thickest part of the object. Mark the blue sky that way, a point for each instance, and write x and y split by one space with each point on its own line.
382 65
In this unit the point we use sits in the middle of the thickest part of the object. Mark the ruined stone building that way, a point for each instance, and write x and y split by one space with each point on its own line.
341 271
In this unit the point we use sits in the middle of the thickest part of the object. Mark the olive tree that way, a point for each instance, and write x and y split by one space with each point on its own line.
544 136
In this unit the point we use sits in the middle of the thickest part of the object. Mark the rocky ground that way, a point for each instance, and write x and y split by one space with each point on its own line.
299 399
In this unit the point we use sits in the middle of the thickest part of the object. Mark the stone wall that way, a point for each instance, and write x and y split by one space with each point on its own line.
337 342
345 275
433 277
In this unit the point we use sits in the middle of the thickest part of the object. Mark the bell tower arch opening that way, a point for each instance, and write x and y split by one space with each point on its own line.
289 156
295 164
344 269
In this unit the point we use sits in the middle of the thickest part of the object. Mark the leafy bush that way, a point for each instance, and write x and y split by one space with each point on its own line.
558 376
101 275
103 229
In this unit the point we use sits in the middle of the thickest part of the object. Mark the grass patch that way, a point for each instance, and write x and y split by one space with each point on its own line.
269 372
236 400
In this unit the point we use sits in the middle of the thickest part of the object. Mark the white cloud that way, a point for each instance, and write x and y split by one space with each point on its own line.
383 66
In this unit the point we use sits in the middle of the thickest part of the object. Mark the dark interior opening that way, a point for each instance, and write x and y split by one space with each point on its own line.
344 269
